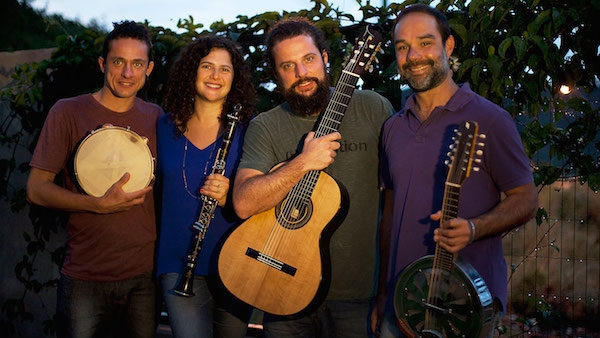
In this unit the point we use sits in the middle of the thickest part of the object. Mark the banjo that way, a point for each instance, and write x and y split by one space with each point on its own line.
106 154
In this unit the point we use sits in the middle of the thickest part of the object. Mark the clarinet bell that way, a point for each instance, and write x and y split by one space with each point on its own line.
185 286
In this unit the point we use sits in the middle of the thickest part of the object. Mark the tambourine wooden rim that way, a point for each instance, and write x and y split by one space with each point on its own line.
106 154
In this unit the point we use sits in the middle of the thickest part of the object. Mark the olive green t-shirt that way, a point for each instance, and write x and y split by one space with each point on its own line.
275 135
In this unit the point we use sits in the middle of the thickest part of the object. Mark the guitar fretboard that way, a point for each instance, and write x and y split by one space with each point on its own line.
330 122
443 259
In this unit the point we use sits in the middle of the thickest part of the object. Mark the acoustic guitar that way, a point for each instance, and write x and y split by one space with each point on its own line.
278 260
443 295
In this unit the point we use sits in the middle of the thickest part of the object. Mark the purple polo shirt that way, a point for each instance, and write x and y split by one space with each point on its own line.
412 165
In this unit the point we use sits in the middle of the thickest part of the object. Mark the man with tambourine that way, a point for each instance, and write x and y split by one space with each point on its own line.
106 284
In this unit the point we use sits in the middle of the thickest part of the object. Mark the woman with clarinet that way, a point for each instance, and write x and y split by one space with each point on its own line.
209 100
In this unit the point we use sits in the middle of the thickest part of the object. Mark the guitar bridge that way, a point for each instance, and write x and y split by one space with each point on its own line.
272 262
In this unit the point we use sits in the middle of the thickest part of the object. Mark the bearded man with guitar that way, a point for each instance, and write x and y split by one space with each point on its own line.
297 56
414 146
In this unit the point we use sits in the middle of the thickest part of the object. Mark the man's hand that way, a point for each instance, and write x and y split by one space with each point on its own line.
216 186
452 235
318 153
116 200
377 314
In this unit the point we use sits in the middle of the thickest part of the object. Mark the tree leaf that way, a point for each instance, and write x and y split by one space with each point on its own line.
520 47
504 45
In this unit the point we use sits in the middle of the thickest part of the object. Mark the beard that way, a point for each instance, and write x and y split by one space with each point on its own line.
312 104
437 74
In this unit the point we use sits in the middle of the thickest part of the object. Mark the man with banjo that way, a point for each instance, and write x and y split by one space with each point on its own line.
297 56
106 285
414 143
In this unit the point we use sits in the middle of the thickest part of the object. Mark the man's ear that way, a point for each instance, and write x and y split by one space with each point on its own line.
450 43
325 57
150 67
101 63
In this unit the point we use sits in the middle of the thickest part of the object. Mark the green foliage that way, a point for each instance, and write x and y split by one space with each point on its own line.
515 53
26 28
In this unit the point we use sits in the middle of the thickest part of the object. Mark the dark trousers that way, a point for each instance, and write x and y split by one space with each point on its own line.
211 312
123 308
331 319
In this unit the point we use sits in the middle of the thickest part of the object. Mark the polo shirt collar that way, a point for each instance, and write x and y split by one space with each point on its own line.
463 95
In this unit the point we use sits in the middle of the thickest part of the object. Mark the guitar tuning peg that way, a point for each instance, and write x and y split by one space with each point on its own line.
371 69
453 138
449 154
479 152
455 131
376 60
475 169
481 144
482 136
447 162
451 146
477 160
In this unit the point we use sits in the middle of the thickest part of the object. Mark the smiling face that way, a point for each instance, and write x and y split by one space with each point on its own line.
421 54
125 67
214 76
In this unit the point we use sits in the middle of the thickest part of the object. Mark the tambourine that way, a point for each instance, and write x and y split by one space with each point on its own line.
106 154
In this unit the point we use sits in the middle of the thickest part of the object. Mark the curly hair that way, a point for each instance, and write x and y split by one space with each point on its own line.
181 91
290 28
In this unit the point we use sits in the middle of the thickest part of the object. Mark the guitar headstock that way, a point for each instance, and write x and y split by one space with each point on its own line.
364 52
465 151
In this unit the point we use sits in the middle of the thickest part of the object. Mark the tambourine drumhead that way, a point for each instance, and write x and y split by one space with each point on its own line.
109 152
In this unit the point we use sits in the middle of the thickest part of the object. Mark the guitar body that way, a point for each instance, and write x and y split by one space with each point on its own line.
462 303
278 260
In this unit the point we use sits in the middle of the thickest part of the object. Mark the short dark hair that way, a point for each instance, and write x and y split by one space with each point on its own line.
128 29
440 18
290 28
181 87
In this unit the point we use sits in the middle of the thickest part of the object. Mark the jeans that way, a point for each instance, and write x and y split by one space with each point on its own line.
389 328
331 319
212 311
123 308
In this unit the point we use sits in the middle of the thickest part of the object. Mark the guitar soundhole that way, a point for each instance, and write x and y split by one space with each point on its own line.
294 214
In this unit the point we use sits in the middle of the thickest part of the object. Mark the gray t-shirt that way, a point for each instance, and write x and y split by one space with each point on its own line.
275 136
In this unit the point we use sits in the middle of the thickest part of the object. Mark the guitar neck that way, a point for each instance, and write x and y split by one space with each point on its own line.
338 103
329 123
444 259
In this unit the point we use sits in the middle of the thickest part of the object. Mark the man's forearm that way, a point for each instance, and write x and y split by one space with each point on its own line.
518 207
385 231
255 192
50 195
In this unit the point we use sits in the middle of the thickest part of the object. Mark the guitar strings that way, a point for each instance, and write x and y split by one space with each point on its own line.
441 255
302 191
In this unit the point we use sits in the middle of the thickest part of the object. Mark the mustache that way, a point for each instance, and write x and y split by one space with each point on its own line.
417 63
297 83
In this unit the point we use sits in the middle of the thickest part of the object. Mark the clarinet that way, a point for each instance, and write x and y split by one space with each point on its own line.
185 285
